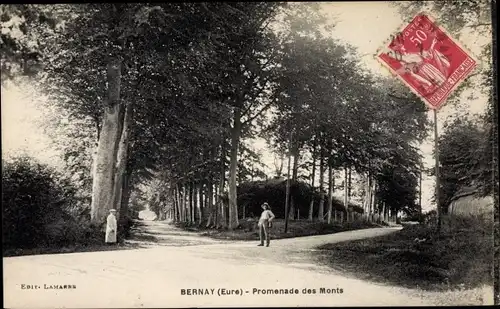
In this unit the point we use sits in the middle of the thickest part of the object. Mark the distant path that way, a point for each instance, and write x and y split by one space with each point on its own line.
175 260
163 233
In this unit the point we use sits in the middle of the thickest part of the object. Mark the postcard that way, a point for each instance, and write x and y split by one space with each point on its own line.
249 154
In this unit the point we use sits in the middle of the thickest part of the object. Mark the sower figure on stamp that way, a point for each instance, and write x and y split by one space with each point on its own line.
111 227
265 224
429 67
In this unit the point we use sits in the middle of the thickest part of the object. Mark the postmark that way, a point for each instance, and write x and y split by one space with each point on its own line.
426 58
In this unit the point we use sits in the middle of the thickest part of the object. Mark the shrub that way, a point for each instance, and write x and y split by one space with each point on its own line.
430 218
126 226
36 205
414 216
251 195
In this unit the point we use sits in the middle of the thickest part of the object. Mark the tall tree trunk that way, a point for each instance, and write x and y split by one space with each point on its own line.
373 197
174 204
105 159
182 203
200 204
186 202
221 220
179 201
311 205
226 213
192 206
287 191
159 210
420 194
223 212
365 193
125 197
210 191
205 210
196 203
185 195
213 199
196 207
295 171
122 159
217 220
321 210
330 194
233 170
210 202
278 165
349 186
178 204
368 197
346 189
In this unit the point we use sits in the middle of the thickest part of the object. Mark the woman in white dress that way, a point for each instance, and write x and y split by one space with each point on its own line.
111 227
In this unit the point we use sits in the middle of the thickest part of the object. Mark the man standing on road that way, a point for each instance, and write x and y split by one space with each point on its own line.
265 223
111 227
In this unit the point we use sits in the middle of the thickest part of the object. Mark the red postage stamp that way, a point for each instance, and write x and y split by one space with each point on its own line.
427 60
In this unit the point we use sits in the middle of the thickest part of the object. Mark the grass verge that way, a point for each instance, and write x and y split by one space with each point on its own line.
460 257
296 228
93 241
88 247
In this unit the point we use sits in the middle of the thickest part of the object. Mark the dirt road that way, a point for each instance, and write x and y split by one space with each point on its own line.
165 271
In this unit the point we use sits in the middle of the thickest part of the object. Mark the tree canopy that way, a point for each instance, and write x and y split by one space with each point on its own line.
172 92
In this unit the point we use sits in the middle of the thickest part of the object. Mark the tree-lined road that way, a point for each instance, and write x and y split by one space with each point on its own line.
154 277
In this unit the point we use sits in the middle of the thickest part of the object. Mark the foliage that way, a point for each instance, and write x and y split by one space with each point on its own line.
489 151
398 189
39 206
249 165
24 26
75 139
251 195
465 158
372 128
137 203
454 15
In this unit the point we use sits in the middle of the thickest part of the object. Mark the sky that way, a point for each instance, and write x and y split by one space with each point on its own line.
22 130
365 25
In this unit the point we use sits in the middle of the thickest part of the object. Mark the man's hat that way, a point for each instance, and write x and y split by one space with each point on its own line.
112 210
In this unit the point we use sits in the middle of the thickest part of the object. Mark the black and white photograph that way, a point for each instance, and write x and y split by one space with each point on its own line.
249 154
